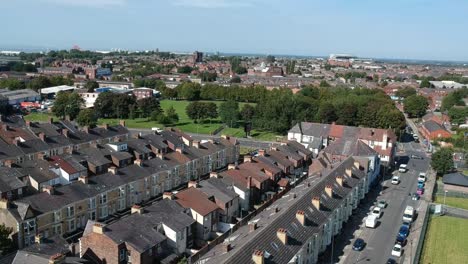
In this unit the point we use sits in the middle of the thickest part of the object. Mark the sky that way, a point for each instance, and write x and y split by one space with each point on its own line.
403 29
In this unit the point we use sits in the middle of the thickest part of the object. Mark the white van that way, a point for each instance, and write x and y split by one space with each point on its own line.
371 221
403 168
408 215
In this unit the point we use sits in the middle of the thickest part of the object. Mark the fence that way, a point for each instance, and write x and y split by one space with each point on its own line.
422 235
439 191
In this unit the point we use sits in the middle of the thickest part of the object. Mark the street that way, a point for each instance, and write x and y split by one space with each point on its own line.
379 241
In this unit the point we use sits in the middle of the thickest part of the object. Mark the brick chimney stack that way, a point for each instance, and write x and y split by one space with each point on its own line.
316 202
300 216
282 235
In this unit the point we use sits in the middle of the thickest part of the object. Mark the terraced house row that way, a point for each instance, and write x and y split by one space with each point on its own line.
300 225
61 176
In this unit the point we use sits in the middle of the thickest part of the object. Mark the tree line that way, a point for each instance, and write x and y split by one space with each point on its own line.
35 83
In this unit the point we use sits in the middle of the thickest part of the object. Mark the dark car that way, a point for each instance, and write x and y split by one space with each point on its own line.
404 231
358 244
400 240
408 224
391 261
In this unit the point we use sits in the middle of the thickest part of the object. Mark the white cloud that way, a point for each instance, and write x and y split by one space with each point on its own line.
212 3
88 3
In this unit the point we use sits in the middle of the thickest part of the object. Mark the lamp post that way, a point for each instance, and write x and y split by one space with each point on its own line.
445 195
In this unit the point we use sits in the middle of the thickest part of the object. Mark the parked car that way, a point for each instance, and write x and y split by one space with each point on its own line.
404 231
420 184
420 191
358 244
416 157
391 261
377 211
397 250
396 179
406 223
415 197
382 204
422 177
400 240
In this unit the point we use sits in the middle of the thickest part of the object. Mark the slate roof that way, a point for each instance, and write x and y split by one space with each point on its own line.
345 147
39 170
456 178
218 188
9 179
243 242
432 126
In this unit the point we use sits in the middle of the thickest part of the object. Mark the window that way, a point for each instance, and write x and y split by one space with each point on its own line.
57 216
122 254
71 225
57 230
92 203
121 191
103 198
121 204
30 227
104 213
92 215
70 211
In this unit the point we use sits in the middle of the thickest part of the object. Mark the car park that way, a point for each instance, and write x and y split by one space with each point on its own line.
377 211
404 231
382 204
397 250
358 244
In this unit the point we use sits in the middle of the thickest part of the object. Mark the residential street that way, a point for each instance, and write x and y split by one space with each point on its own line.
379 241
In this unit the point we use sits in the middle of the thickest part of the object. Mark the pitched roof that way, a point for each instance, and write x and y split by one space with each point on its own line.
432 126
196 200
456 178
346 147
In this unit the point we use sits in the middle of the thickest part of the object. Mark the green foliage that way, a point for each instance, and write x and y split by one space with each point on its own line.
87 117
12 84
236 66
147 106
185 69
229 113
415 105
201 110
103 104
6 244
324 84
91 85
188 91
442 160
172 114
290 66
454 98
405 92
208 76
39 83
458 115
425 83
235 79
270 59
111 105
67 104
247 112
19 66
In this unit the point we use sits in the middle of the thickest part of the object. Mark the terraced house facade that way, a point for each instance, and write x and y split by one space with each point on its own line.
121 171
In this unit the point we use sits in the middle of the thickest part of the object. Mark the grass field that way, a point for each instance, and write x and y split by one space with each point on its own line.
445 241
185 123
452 201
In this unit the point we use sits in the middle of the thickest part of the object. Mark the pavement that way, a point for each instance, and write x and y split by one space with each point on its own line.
379 241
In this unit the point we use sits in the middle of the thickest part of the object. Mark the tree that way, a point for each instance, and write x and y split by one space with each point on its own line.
458 115
425 83
405 92
229 113
6 244
12 84
185 69
103 105
201 110
189 91
235 79
91 85
172 114
326 113
247 112
148 105
415 105
39 83
270 59
87 117
121 105
67 104
442 160
324 84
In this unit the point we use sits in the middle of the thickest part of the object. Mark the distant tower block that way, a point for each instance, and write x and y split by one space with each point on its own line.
197 57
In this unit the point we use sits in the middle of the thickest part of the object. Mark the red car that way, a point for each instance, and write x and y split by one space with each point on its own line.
420 191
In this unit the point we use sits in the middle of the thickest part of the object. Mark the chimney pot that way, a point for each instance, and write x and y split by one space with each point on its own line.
349 172
168 195
214 174
258 257
300 216
136 209
138 162
232 167
316 202
247 158
49 189
329 190
99 228
196 143
261 152
339 180
226 247
252 226
193 184
113 170
84 179
282 235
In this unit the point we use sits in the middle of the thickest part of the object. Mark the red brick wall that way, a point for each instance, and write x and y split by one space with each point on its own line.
100 246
